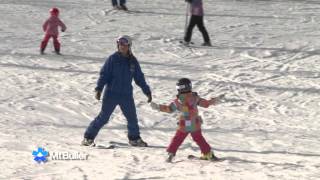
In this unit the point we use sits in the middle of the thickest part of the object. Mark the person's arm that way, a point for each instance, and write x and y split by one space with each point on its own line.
63 26
213 101
105 75
140 80
164 108
45 26
205 103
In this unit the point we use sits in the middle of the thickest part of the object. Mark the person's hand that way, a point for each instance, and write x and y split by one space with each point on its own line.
219 99
149 97
98 95
221 96
188 1
63 30
155 106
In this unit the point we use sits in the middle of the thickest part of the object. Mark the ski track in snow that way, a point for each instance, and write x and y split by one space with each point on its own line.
265 58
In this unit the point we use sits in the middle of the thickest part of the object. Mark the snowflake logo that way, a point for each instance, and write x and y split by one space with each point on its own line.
40 155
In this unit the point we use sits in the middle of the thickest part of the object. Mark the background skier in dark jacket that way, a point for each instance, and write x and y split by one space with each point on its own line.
196 19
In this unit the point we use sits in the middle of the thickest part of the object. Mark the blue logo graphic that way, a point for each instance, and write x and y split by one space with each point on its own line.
40 155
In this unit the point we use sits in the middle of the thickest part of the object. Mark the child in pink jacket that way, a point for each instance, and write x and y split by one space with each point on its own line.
189 119
50 27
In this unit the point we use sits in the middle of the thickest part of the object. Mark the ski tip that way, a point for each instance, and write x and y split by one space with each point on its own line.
100 146
193 157
186 43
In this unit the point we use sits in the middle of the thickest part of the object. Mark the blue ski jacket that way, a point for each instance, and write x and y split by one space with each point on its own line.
116 76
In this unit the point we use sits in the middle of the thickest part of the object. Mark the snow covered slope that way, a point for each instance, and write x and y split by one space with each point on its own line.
265 57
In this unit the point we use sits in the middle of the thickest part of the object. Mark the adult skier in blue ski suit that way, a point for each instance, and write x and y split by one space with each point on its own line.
116 79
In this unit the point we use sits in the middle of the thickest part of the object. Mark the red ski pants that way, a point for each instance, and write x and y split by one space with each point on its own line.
196 136
45 40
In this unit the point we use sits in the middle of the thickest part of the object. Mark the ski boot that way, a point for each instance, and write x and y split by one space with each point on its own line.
57 51
206 44
185 43
116 7
87 142
42 51
209 156
123 7
170 157
138 143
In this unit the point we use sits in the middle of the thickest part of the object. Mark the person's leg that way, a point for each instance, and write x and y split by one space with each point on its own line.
108 105
128 109
122 2
114 3
123 5
176 141
202 143
44 43
202 29
191 25
56 44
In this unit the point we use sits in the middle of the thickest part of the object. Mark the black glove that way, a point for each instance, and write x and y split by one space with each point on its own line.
221 96
149 97
188 1
98 95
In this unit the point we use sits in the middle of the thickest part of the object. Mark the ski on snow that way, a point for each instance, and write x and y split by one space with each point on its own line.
193 157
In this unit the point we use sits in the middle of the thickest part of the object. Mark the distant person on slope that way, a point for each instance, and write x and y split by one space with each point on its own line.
189 120
50 27
120 6
196 19
116 77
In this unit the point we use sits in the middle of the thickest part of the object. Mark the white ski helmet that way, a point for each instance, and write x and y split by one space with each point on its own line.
125 39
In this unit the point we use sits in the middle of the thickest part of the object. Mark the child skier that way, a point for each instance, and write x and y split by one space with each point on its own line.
50 27
189 120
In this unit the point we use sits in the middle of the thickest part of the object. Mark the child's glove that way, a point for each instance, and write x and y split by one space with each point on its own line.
221 96
155 106
220 99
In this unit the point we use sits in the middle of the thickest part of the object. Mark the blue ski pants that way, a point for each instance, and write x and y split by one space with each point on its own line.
115 2
109 103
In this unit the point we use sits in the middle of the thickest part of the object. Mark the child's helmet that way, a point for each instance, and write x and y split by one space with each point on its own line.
54 11
125 39
184 85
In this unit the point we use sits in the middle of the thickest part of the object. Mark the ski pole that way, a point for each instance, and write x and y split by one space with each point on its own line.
186 24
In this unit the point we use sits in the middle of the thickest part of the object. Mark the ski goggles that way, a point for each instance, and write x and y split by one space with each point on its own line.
182 87
123 42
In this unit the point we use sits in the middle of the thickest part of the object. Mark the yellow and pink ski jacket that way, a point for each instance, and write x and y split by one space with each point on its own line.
189 119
